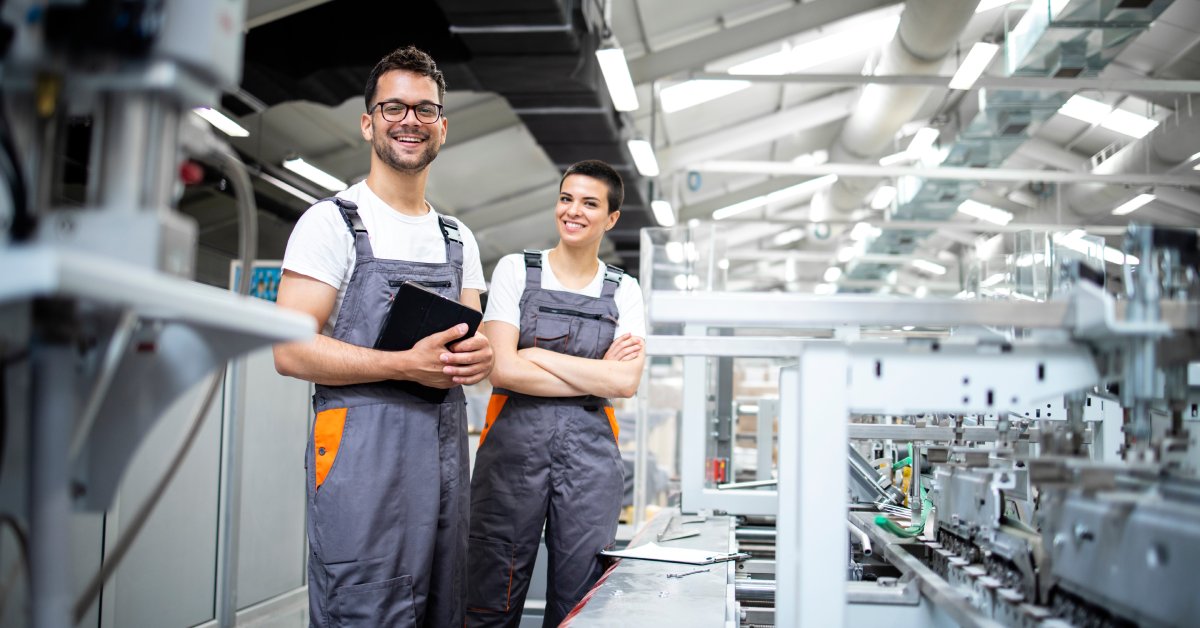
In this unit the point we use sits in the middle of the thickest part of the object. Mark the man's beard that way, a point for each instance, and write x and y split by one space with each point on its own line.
389 155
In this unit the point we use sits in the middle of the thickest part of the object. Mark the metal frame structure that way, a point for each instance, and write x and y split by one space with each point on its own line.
834 379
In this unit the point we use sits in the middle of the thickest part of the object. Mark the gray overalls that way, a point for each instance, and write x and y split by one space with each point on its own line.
387 471
546 461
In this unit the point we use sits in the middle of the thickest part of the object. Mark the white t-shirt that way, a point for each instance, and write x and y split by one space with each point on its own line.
508 283
322 247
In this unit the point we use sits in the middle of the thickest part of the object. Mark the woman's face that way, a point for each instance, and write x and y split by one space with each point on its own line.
582 211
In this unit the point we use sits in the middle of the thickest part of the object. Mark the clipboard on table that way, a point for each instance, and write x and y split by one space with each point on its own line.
417 312
654 551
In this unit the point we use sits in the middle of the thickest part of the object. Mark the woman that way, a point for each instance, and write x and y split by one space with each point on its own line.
567 333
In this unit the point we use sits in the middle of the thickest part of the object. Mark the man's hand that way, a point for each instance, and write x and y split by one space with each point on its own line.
425 364
470 360
625 348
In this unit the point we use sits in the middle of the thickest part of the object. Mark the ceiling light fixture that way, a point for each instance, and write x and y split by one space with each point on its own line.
784 194
988 5
1133 204
663 214
314 174
691 93
987 213
616 75
922 141
883 197
643 157
973 65
289 188
221 121
785 238
991 281
832 274
1095 113
928 266
862 231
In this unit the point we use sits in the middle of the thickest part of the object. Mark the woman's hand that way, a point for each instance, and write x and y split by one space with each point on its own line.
625 348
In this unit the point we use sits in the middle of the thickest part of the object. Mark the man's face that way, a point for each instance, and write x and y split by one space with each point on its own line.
408 146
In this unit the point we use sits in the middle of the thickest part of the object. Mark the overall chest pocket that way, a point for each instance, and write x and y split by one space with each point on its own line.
570 331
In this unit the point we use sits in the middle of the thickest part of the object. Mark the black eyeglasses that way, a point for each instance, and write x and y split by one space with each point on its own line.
395 111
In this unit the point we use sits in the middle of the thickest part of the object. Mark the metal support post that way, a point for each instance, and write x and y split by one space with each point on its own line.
54 367
229 521
812 535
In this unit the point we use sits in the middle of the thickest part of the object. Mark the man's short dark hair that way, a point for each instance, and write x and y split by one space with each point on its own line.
409 59
603 173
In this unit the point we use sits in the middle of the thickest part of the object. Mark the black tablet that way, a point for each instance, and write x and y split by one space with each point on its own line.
417 312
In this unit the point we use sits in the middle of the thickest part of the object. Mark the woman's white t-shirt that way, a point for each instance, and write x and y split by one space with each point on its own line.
322 247
508 283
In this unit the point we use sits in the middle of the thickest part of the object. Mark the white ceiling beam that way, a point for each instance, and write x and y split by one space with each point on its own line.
776 26
758 132
1123 85
949 173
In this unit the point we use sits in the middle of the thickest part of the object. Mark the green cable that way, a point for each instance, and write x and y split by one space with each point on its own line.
900 464
911 531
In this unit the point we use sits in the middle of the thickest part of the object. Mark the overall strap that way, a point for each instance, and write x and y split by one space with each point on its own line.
612 281
454 242
349 212
533 269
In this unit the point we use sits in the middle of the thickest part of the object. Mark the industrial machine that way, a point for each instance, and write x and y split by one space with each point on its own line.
936 461
101 328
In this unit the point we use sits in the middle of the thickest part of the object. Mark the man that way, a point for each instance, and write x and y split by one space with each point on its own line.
387 466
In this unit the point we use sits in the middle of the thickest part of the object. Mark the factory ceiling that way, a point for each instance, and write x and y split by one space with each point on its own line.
526 97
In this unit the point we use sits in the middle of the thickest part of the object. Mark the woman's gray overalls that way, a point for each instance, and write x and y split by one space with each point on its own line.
387 471
549 462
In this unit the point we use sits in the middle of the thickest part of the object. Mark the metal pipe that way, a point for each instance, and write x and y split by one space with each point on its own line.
863 539
754 590
755 534
1038 83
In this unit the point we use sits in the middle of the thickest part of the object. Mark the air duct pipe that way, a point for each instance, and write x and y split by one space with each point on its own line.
1171 144
927 33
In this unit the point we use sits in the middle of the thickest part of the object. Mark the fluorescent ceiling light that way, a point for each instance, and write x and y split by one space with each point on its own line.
663 213
994 215
1085 109
787 193
896 158
1091 248
922 141
929 267
991 281
1133 204
643 157
823 50
832 274
862 231
815 158
883 197
785 238
1129 123
921 292
846 253
1095 112
1027 260
973 65
289 188
219 120
795 59
988 5
691 93
618 79
314 174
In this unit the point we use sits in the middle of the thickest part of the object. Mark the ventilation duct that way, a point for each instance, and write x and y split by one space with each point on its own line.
1053 38
927 32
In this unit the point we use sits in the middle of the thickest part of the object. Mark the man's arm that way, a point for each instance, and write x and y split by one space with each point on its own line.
518 374
324 360
603 378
